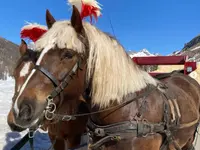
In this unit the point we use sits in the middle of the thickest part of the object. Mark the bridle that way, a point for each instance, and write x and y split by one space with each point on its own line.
49 111
51 106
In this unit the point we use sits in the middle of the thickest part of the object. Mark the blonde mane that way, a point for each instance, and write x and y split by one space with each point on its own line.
113 73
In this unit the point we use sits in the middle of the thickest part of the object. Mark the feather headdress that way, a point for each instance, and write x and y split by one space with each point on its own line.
33 31
87 8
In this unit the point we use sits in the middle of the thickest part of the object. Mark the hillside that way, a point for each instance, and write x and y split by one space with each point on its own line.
191 49
143 52
9 54
195 42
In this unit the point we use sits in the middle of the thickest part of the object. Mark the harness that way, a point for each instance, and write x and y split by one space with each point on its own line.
134 128
113 133
119 131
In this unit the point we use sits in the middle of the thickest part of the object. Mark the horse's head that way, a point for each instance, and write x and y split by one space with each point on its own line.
22 69
24 65
62 61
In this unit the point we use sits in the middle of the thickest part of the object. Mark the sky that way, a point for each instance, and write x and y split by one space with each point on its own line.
161 26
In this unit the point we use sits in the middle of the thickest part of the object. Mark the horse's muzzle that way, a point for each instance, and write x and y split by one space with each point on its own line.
26 114
11 124
16 128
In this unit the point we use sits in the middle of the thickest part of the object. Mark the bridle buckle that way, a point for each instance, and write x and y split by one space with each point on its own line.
50 108
31 134
68 118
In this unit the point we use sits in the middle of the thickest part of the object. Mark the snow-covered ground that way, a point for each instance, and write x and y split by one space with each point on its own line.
7 138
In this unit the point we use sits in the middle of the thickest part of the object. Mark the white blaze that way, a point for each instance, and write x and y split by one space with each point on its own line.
25 69
16 109
19 86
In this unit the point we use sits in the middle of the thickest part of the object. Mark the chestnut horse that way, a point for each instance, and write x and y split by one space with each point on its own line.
58 132
130 109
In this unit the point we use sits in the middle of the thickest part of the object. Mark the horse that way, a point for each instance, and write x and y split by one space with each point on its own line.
129 108
58 132
23 67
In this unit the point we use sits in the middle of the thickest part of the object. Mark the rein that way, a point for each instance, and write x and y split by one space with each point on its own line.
50 109
130 100
51 106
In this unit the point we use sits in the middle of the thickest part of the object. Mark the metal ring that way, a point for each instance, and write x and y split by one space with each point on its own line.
116 138
49 113
31 134
49 98
50 106
66 118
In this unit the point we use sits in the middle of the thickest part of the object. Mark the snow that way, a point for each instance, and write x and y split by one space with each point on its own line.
175 53
143 52
7 138
195 48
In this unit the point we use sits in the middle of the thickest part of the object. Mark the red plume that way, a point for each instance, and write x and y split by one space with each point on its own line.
33 31
87 8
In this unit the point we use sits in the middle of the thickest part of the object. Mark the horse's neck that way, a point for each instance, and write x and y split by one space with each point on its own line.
69 106
128 112
124 113
115 115
74 106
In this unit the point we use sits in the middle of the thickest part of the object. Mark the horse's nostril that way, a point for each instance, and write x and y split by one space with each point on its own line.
25 112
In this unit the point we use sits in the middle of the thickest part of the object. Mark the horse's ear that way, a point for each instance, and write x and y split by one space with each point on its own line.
49 19
76 20
23 47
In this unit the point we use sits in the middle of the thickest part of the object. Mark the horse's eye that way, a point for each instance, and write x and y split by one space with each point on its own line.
68 55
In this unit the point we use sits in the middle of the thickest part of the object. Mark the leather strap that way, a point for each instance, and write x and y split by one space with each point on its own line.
133 127
48 74
22 142
65 82
102 141
122 130
53 80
